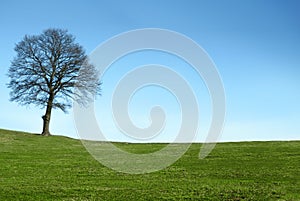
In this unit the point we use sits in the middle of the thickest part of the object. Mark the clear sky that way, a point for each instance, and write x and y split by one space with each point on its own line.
255 45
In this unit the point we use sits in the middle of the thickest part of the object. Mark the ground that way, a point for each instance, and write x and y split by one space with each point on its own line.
34 167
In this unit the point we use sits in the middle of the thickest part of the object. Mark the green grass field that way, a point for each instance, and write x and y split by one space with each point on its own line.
33 167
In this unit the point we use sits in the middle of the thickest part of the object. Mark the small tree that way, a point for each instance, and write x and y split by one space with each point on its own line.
46 71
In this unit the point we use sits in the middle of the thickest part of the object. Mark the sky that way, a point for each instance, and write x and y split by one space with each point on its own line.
254 44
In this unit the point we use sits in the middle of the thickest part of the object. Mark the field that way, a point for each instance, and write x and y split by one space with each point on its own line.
33 167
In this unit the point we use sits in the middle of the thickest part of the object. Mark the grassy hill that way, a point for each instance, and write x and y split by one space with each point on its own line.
33 167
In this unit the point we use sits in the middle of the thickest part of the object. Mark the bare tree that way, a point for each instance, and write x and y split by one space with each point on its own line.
47 69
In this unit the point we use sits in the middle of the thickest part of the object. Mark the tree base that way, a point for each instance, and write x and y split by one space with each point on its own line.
46 134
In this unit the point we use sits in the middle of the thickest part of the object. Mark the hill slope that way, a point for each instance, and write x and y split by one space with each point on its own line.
33 167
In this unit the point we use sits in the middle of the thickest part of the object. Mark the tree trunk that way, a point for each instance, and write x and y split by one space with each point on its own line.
46 118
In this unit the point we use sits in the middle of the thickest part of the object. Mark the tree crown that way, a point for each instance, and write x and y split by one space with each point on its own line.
48 67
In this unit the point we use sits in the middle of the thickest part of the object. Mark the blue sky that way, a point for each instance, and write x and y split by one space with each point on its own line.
255 45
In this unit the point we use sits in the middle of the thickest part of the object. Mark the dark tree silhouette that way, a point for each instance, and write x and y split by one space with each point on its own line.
47 70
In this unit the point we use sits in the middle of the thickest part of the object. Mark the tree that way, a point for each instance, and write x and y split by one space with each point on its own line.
47 70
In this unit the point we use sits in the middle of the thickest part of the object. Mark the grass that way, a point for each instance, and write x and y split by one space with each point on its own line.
33 167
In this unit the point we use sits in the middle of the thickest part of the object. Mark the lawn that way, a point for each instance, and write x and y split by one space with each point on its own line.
34 167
